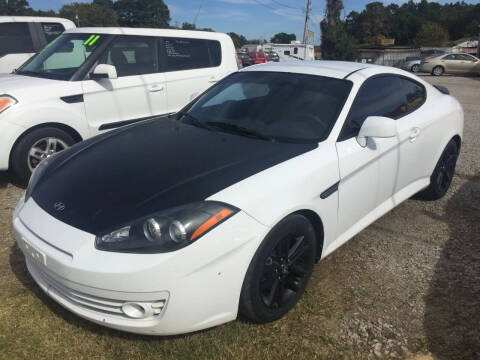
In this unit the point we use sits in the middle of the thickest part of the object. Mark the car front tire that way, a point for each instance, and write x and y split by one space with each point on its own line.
438 71
415 68
442 175
279 271
35 147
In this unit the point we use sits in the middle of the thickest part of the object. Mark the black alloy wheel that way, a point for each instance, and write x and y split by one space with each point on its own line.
280 270
442 175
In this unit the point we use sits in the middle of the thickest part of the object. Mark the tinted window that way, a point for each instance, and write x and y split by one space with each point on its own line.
466 57
286 107
132 55
62 58
295 50
261 54
185 54
252 55
450 57
286 52
52 30
15 39
388 96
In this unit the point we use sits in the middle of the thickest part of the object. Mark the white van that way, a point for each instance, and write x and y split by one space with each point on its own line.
93 79
22 36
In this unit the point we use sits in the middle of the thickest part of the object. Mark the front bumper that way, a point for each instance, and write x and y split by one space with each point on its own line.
188 290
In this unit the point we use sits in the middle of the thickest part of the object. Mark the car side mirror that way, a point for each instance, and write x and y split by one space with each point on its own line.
376 126
104 71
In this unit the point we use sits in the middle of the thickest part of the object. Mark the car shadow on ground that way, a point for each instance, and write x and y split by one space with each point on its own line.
452 314
19 269
7 178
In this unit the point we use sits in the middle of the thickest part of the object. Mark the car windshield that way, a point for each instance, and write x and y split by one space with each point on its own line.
62 57
277 106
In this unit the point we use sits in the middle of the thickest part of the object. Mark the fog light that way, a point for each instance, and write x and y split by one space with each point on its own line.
133 310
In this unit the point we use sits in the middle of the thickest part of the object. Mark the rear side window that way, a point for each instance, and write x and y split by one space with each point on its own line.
187 54
15 38
389 96
52 30
132 55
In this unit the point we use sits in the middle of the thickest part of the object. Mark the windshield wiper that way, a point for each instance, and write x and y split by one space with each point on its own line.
194 121
240 130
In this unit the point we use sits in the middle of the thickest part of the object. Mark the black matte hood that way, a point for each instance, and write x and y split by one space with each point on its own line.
112 179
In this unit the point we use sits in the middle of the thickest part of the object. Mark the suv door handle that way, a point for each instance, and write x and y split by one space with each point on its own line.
155 88
414 132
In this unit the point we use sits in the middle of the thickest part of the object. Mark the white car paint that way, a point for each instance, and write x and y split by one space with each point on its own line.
201 283
106 101
9 62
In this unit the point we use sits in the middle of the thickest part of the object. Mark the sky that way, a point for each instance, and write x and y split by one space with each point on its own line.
252 18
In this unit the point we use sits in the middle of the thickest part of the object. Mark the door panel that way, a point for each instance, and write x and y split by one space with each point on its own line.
367 178
138 92
126 98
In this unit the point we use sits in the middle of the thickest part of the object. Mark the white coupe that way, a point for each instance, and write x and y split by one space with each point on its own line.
184 222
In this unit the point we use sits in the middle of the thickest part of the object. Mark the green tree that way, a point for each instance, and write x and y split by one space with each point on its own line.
283 38
108 4
14 7
432 34
89 14
188 26
336 43
238 40
142 13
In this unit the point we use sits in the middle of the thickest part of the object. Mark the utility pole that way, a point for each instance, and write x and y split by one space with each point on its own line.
306 22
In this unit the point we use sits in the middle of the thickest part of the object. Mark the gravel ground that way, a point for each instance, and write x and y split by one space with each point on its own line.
406 287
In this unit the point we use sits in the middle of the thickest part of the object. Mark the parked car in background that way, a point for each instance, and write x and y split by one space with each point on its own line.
22 36
451 64
245 59
272 56
95 79
257 57
412 63
182 223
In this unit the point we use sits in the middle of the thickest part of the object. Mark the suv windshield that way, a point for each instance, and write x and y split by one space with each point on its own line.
272 106
63 57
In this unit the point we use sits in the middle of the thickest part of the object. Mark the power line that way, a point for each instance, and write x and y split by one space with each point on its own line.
267 6
287 6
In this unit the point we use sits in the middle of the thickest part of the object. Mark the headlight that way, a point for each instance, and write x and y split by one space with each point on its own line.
37 175
6 101
167 230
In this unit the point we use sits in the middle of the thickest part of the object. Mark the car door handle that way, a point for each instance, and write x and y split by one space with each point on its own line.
212 81
414 132
155 88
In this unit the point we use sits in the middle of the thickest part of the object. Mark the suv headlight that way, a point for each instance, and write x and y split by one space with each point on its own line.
168 230
6 101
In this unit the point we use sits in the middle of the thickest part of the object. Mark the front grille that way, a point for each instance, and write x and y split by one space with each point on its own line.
99 305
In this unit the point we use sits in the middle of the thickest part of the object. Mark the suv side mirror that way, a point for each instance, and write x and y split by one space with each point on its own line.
104 71
376 126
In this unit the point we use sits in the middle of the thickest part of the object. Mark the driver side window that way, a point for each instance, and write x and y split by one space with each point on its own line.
390 96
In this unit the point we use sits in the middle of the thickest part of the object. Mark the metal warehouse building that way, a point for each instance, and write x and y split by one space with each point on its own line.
386 55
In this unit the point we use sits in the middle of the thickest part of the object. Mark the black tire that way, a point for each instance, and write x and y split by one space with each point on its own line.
438 70
442 175
415 68
19 161
286 258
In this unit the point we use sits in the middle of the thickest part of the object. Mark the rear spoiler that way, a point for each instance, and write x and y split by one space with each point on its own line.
442 89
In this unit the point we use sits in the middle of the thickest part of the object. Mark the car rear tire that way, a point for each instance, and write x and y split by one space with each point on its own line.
279 271
438 71
35 147
415 68
442 175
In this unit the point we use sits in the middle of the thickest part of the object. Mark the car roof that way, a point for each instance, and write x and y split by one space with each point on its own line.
335 69
150 32
4 19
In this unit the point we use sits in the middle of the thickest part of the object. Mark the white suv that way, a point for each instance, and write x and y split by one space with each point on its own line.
93 79
22 36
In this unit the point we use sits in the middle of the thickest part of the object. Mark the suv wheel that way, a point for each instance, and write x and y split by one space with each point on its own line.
279 271
35 147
